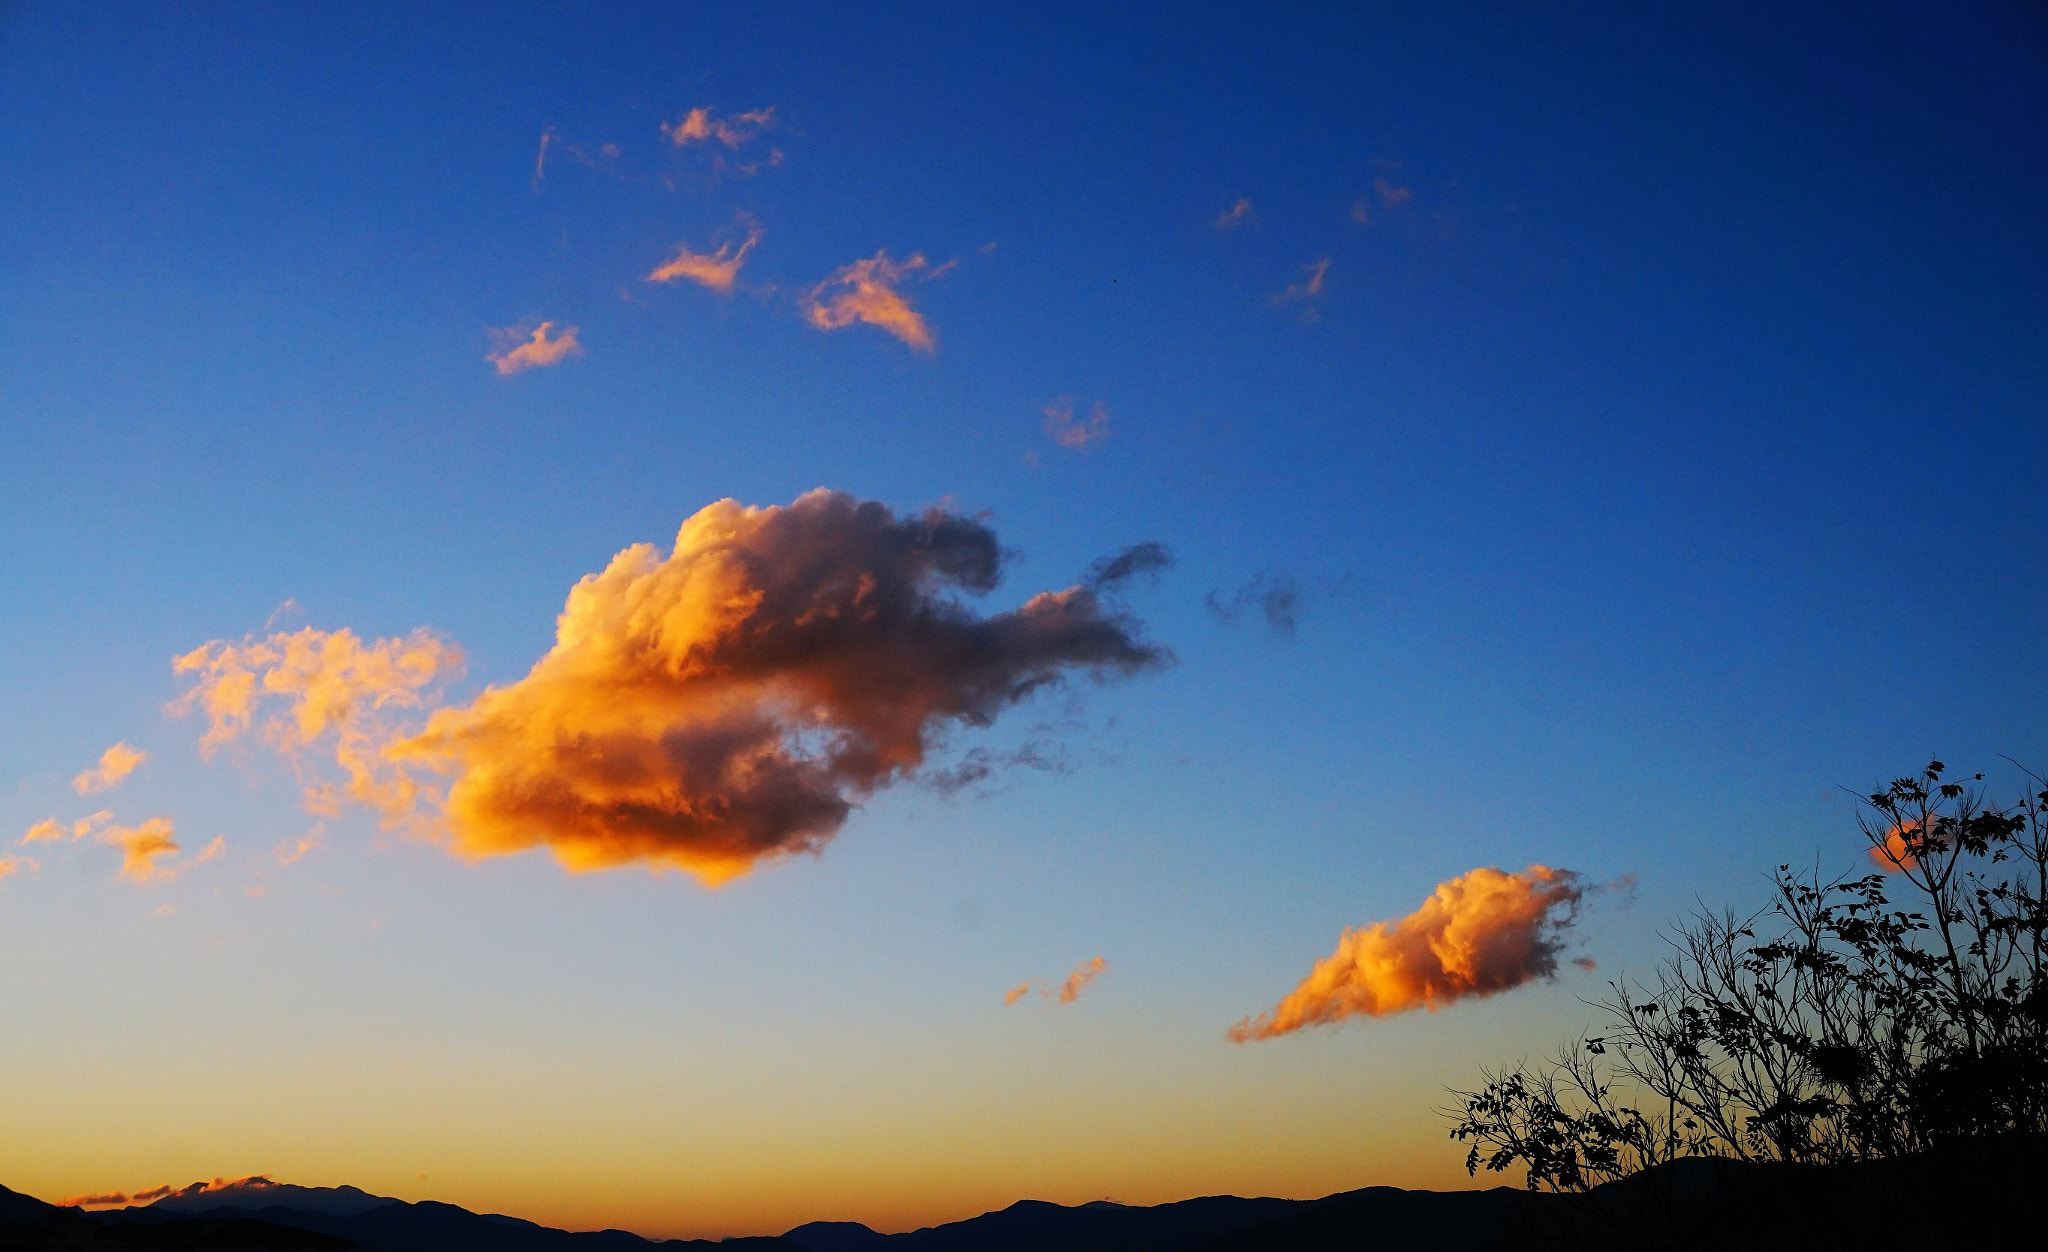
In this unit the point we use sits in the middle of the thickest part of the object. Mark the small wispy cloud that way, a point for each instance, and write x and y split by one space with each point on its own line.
1275 594
718 270
141 846
10 865
50 830
866 291
518 352
1070 990
540 158
705 126
1239 214
1310 286
1069 431
1386 197
115 764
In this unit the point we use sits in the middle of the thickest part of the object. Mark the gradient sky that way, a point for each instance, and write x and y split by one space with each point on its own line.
1659 451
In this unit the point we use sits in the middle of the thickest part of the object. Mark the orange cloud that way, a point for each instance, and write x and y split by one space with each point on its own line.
1084 973
115 764
1236 215
1070 990
334 687
867 293
15 864
716 270
730 701
1480 933
102 1200
1309 287
49 830
703 126
1069 433
142 845
735 699
516 354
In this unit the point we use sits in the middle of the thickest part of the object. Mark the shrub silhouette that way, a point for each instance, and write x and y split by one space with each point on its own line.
1836 1061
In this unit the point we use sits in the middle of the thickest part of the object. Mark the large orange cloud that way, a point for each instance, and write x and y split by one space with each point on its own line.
729 701
1482 932
865 291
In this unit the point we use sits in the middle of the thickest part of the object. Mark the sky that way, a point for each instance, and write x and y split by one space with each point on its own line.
1151 585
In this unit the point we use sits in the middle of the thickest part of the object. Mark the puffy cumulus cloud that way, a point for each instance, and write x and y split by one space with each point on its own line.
1482 932
1069 431
704 126
337 692
1236 215
865 291
115 764
716 270
518 352
734 699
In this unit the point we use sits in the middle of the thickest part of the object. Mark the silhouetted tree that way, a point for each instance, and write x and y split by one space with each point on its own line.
1834 1029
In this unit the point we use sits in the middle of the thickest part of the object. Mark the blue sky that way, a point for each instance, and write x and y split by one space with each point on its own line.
1658 458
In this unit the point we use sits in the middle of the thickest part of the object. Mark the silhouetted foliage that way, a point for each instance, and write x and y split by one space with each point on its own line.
1837 1028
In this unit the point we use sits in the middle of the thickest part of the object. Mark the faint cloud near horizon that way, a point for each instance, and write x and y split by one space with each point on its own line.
517 352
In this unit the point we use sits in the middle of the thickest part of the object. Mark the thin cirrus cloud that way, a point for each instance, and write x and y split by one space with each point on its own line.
866 291
717 271
1069 431
1238 214
1389 195
1310 286
1070 990
705 126
728 702
518 351
1483 932
115 764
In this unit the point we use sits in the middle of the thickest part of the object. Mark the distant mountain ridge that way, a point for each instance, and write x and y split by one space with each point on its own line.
261 1193
259 1213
